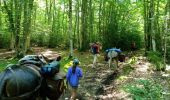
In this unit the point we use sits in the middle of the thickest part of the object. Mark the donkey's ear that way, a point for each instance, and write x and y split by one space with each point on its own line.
58 58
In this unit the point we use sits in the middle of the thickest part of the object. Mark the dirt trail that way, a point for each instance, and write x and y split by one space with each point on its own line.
102 83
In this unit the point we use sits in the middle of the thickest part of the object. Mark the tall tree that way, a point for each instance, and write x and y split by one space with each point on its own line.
70 28
78 24
14 17
166 31
91 20
10 15
0 14
18 6
153 19
147 25
83 35
28 6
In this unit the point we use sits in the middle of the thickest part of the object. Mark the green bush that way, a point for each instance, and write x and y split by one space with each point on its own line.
144 90
126 38
5 62
122 39
127 69
155 58
39 39
4 39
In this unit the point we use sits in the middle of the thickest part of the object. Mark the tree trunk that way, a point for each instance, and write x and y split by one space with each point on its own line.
10 16
91 19
0 15
49 11
70 28
28 5
78 24
18 10
83 41
152 19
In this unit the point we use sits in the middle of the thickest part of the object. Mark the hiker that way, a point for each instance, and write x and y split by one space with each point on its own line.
73 75
95 47
113 53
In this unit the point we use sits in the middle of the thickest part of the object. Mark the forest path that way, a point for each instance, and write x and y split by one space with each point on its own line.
103 83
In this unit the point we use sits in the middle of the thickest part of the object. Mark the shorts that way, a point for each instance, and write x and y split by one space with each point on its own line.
74 87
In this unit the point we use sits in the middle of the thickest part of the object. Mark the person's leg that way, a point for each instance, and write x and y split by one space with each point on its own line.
94 61
109 57
110 61
73 93
117 62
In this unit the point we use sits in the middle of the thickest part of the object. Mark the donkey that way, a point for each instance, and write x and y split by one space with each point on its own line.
24 81
114 54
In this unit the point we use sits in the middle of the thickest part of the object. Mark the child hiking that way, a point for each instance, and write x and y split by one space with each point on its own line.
73 75
95 50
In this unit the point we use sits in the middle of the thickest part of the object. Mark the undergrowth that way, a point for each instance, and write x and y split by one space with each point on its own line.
145 90
5 62
155 59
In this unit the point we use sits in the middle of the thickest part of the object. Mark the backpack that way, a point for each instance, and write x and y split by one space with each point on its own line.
30 59
94 49
50 69
113 52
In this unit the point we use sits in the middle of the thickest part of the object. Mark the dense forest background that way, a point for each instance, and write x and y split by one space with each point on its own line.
75 23
67 27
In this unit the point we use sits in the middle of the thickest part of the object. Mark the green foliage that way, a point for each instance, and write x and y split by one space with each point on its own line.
122 40
126 38
39 39
5 62
4 40
168 53
117 25
65 64
155 58
144 90
53 41
127 69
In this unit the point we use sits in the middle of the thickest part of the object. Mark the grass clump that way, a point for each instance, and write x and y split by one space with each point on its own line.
5 62
127 69
145 90
155 59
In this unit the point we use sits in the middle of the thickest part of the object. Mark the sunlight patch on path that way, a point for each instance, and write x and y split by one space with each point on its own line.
143 67
167 73
6 53
167 68
50 54
116 96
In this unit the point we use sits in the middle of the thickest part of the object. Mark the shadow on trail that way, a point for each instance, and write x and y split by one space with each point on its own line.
108 80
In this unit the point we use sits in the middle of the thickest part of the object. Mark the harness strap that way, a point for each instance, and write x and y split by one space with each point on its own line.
22 95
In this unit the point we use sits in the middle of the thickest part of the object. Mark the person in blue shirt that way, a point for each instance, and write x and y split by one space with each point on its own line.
73 75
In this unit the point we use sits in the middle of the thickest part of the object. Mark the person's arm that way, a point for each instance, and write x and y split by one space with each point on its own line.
68 74
80 73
